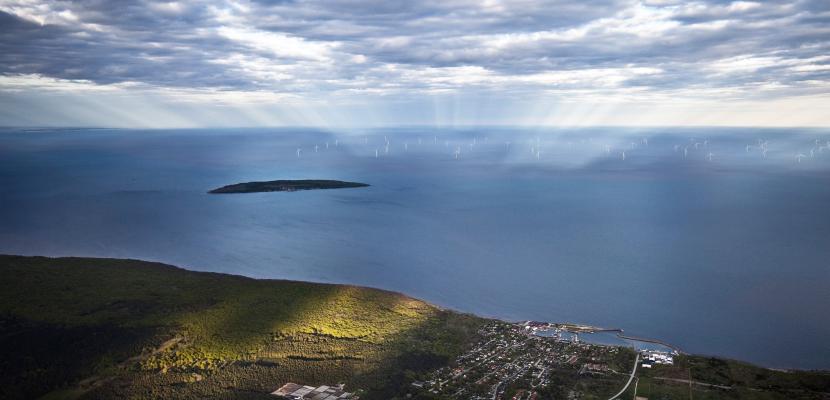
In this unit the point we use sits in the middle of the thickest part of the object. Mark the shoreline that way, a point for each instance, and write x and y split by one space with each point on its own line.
566 326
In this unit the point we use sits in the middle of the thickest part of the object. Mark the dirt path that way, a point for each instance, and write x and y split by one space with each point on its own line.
686 381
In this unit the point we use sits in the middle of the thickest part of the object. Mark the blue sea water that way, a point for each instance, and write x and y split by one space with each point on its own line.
723 251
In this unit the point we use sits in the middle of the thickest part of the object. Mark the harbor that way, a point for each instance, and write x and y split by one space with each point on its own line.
598 336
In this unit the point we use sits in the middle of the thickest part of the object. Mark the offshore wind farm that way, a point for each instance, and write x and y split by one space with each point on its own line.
563 147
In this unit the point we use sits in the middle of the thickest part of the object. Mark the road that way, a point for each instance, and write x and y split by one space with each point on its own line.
630 378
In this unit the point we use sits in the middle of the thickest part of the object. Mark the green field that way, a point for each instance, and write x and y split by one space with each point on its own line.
103 328
714 378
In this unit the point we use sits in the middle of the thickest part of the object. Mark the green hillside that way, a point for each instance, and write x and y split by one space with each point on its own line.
103 328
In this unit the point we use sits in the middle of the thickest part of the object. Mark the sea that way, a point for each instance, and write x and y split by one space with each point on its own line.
716 240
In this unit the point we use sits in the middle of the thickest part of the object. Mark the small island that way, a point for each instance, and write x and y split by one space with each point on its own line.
286 186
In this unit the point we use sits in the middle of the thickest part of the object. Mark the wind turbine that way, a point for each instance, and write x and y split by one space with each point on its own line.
685 152
298 152
376 153
710 156
623 155
315 148
799 156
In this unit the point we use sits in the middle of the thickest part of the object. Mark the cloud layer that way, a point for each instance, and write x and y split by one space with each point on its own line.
262 61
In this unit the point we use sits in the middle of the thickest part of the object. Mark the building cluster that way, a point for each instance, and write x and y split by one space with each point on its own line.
294 391
511 362
652 357
593 368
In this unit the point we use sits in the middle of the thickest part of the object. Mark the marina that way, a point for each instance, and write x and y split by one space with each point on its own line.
599 336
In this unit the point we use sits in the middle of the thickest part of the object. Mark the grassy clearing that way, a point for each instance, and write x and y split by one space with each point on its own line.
714 378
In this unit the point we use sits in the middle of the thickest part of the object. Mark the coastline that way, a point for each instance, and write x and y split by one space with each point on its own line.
567 326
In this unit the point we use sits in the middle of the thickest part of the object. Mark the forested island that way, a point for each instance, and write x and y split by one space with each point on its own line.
286 186
109 328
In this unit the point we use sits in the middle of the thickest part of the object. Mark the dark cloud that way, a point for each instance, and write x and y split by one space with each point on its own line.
320 46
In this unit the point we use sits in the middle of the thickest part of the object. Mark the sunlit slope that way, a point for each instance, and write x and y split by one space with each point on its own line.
147 329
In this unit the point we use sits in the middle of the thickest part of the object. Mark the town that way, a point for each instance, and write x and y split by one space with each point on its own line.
513 361
523 361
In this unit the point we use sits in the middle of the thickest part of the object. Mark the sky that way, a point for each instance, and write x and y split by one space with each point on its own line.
350 63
